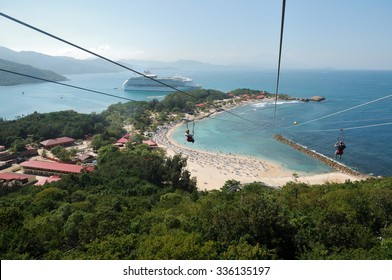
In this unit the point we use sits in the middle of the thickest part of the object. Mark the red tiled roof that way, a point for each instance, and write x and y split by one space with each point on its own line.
57 141
12 176
150 143
123 140
61 167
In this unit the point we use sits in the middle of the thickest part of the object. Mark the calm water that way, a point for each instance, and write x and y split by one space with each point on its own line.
369 149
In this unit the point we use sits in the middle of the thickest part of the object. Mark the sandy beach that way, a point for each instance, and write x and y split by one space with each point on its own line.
212 170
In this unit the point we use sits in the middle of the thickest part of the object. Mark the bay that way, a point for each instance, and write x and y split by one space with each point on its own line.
365 129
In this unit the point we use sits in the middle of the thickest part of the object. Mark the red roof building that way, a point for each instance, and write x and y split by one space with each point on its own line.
125 139
61 141
16 177
12 176
46 168
150 143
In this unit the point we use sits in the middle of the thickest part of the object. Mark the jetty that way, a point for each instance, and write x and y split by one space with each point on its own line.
324 159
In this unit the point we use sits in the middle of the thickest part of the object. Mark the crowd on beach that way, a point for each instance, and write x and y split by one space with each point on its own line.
237 167
213 169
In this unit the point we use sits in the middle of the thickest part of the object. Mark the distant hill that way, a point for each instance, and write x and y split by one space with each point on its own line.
59 64
183 64
8 79
67 65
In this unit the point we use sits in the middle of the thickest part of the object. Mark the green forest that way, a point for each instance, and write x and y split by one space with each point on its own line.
140 203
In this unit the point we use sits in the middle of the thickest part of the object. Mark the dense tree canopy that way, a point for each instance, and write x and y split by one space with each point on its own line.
39 126
143 205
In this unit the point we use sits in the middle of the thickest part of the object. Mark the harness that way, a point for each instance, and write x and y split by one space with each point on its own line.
189 136
193 127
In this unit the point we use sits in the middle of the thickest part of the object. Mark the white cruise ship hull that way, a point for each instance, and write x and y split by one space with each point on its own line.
159 88
149 83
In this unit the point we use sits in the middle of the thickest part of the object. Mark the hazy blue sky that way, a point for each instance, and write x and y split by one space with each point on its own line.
345 34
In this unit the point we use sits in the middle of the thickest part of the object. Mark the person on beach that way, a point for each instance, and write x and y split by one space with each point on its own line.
340 146
189 137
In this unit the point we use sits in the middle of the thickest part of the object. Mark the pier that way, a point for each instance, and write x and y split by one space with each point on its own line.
324 159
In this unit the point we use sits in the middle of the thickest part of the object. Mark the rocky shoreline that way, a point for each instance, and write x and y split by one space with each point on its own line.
317 98
332 163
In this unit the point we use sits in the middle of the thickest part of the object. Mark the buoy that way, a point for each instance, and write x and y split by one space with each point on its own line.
295 123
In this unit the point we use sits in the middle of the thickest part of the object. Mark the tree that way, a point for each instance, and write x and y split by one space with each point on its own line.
64 154
176 176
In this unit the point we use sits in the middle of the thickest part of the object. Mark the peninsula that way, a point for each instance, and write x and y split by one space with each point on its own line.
8 79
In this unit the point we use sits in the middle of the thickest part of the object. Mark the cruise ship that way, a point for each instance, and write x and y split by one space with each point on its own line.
147 83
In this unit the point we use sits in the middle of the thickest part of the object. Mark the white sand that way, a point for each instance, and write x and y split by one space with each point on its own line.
213 170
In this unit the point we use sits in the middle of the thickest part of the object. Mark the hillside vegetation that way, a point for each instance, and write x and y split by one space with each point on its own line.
140 204
9 79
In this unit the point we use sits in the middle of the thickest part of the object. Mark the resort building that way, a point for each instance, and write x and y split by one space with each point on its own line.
45 168
61 141
125 139
10 178
86 158
5 155
150 143
6 164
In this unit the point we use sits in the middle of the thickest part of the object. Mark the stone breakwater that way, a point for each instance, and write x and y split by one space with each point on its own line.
332 163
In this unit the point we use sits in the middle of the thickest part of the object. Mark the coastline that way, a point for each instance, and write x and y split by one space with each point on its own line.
212 170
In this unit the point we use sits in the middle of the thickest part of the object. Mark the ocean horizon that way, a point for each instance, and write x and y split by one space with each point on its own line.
365 128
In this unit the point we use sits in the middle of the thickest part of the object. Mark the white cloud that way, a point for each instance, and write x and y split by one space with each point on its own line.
101 49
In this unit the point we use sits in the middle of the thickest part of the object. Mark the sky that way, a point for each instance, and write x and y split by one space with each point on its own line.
342 34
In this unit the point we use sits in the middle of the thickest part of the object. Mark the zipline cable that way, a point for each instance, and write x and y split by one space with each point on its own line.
347 128
345 110
280 55
97 92
355 121
128 99
175 89
67 85
85 50
112 61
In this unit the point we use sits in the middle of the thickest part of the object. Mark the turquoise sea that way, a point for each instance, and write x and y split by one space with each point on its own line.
366 129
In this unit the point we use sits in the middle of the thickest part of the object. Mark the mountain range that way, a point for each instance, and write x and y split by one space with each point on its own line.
9 79
59 64
67 65
62 65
